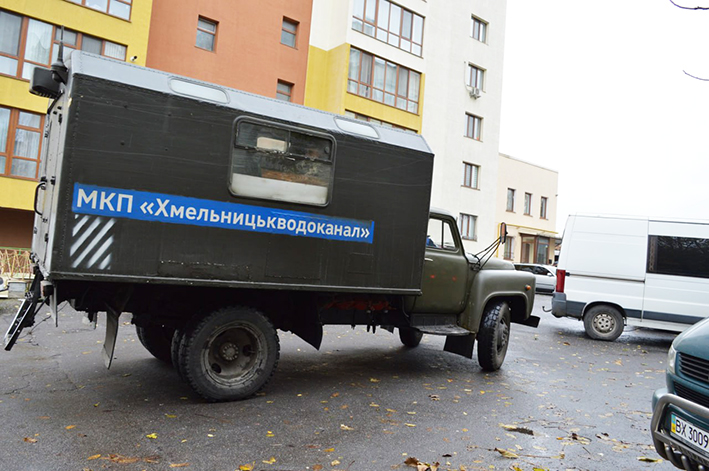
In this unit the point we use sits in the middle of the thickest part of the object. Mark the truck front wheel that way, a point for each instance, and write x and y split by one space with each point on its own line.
229 354
603 323
156 339
494 336
410 337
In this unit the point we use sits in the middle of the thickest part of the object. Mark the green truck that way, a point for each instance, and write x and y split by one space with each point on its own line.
216 217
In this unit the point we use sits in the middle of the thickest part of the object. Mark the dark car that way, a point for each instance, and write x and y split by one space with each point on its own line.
680 420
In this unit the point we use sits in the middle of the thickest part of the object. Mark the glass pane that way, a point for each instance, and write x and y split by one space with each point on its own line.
97 4
354 64
8 66
2 164
395 20
310 146
416 49
368 29
10 26
389 99
284 88
28 70
403 82
70 37
207 25
357 24
381 34
115 51
401 103
205 40
91 44
30 120
379 65
39 41
4 128
377 95
358 11
414 81
391 78
366 73
287 38
406 24
370 11
405 45
290 26
383 19
24 168
55 52
418 29
26 144
352 86
119 9
281 96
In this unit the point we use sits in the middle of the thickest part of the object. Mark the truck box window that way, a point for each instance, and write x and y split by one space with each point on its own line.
279 163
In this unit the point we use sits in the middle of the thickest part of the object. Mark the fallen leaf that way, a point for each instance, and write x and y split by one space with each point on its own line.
179 465
246 467
329 450
317 467
93 457
170 416
334 462
373 380
30 440
270 434
69 427
345 427
152 436
649 460
410 425
506 454
270 460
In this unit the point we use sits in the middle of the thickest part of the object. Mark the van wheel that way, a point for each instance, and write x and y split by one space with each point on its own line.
229 354
156 339
494 336
410 337
603 323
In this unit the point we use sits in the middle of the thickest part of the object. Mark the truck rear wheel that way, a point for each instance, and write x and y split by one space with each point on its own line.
603 323
410 337
494 336
230 354
156 339
175 346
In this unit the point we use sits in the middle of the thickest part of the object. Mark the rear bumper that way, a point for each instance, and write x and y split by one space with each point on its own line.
558 304
680 454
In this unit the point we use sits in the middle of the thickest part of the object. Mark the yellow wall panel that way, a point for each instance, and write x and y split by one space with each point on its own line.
16 193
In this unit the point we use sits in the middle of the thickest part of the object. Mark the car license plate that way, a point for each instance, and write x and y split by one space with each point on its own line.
690 433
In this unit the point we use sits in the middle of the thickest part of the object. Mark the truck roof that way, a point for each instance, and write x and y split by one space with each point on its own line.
83 63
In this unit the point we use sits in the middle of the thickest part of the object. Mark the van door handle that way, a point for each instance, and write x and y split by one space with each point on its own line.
428 259
42 185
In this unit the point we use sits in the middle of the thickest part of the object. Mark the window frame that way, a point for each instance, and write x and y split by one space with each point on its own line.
107 11
205 31
478 73
9 152
510 200
470 171
290 90
370 88
543 203
393 32
289 128
369 119
473 127
294 33
481 29
509 252
21 60
468 221
527 204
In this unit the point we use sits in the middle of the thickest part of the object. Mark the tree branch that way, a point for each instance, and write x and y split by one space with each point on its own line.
688 8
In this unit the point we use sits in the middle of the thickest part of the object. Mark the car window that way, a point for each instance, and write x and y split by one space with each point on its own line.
440 235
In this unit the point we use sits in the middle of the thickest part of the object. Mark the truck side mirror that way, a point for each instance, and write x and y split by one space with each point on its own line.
503 233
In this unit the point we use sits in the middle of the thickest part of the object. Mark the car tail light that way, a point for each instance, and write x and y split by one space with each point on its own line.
560 280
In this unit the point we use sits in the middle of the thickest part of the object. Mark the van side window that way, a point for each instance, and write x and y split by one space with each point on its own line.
440 235
276 162
682 256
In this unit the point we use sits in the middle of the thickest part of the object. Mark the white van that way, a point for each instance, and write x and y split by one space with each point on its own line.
615 271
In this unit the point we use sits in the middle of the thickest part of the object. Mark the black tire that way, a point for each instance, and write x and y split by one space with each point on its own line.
494 336
157 340
175 346
230 354
410 337
603 323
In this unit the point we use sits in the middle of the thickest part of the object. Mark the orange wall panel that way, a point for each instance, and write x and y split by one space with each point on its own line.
248 52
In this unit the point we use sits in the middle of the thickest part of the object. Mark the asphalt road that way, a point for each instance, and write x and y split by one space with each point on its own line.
363 402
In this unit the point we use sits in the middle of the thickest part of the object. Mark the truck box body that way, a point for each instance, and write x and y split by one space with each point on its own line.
140 188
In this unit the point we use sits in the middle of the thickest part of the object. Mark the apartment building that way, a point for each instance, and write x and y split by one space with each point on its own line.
429 67
259 47
527 203
29 37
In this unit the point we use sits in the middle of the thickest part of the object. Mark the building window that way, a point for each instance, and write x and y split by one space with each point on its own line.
510 248
467 226
383 81
390 23
510 200
479 30
284 91
289 31
474 77
119 8
470 175
543 208
20 135
206 34
26 43
473 128
361 117
528 204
